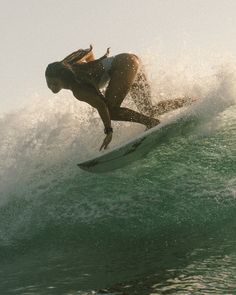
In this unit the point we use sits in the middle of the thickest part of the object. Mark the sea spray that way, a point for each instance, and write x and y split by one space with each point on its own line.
131 221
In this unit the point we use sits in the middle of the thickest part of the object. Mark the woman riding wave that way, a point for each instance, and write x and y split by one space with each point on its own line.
85 76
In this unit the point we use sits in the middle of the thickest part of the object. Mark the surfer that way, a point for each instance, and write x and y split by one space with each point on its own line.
85 76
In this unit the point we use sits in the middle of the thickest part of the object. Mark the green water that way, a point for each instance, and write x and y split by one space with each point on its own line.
163 225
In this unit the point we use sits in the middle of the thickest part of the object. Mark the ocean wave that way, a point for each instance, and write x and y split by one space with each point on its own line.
188 179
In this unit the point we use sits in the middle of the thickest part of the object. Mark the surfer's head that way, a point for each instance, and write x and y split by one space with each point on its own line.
59 76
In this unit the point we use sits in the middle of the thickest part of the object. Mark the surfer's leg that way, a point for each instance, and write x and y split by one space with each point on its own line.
122 76
118 113
120 83
141 94
172 104
125 114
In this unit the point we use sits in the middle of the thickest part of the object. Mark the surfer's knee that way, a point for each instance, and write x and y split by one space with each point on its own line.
113 111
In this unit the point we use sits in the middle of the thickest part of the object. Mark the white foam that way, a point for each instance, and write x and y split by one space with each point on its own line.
56 129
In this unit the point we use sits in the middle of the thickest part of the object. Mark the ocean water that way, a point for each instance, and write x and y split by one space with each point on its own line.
165 224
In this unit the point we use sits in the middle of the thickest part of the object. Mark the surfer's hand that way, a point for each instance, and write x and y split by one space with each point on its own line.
106 141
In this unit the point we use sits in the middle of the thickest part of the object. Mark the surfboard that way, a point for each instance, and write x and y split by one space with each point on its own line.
135 148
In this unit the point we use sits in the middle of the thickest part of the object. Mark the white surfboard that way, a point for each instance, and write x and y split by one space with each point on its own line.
135 148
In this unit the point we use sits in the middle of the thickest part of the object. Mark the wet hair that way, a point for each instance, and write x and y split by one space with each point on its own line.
60 71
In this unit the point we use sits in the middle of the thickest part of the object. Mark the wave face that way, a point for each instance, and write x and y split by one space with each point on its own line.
155 223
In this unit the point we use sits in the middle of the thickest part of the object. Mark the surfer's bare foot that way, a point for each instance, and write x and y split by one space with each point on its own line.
152 123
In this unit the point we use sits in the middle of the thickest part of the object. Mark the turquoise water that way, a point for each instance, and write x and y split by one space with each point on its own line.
164 225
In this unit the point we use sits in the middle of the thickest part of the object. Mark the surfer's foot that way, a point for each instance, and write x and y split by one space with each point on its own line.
152 123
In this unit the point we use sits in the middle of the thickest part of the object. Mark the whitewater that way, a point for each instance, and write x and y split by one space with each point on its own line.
165 224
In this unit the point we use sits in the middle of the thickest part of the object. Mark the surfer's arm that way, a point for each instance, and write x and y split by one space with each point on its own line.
103 111
89 95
